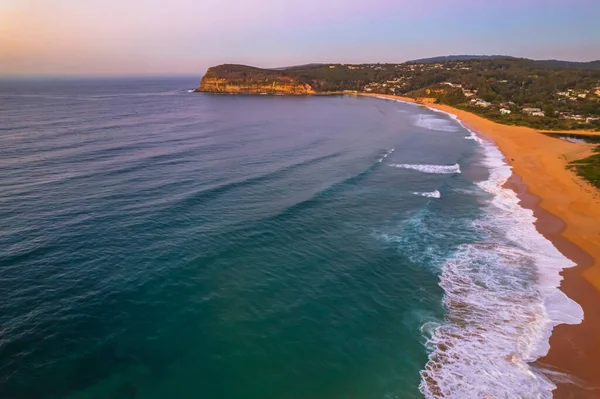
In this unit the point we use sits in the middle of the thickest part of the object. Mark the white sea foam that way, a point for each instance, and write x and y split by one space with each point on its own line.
386 154
473 136
396 100
435 169
430 194
431 122
502 301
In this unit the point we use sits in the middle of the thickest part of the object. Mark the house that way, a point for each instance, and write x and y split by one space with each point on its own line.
451 84
481 103
540 113
597 92
531 111
505 111
590 120
582 95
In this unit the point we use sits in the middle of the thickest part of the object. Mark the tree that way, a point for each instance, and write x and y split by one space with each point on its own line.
549 110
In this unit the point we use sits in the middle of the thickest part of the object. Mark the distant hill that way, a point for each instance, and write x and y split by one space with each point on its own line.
571 64
547 63
450 58
447 58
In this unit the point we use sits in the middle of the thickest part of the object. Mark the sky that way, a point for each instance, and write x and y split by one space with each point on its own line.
168 37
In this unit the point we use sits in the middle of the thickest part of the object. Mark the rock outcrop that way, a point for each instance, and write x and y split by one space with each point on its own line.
241 79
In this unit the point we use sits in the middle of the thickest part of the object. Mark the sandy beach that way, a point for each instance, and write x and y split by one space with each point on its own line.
568 212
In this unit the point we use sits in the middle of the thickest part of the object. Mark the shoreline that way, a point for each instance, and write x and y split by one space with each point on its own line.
400 98
567 211
573 349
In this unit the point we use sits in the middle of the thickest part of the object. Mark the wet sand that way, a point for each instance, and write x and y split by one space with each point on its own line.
568 212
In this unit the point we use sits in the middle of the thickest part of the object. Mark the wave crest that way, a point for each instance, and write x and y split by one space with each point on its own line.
430 194
431 122
386 154
425 168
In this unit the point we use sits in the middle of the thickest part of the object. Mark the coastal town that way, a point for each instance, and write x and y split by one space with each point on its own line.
577 104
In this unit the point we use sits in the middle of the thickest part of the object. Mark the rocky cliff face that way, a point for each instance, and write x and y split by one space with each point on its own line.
232 80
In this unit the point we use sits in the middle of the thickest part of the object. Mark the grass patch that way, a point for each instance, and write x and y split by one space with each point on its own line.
589 168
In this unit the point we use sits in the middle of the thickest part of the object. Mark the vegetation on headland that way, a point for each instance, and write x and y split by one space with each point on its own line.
540 94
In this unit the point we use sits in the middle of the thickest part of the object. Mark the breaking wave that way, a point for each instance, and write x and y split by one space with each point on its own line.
474 137
502 301
432 122
501 295
435 169
431 194
386 154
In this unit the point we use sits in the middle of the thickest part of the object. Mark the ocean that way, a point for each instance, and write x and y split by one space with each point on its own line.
158 243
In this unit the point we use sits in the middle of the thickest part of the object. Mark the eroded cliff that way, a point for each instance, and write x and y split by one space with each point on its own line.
248 80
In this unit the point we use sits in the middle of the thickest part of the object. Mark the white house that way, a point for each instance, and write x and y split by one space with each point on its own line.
532 111
481 103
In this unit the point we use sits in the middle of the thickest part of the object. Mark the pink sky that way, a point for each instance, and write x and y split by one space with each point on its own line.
186 36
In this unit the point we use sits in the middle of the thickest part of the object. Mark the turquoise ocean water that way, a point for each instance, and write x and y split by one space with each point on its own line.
156 243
